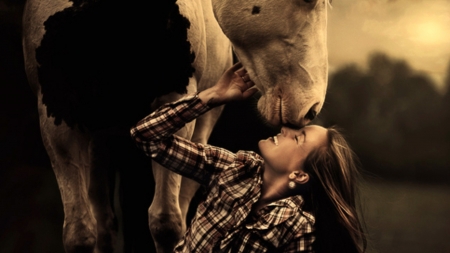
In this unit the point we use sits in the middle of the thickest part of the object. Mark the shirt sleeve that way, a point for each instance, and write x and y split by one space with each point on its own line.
155 136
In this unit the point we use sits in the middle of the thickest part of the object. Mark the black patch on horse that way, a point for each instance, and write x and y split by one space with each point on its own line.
256 10
103 62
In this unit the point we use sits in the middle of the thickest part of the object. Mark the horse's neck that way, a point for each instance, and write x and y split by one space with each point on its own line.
206 38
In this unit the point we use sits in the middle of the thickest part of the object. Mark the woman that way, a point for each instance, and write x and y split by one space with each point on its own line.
297 196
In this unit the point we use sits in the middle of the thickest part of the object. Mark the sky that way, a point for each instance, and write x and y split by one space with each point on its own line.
414 30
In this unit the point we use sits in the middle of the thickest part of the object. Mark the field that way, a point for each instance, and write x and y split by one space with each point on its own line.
407 217
401 217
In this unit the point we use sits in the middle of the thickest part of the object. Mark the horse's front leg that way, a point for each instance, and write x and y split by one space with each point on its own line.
203 128
101 188
164 215
66 148
166 221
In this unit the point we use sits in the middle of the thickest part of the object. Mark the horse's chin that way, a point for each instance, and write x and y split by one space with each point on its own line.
269 108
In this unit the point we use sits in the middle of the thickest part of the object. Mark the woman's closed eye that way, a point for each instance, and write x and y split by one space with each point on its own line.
296 138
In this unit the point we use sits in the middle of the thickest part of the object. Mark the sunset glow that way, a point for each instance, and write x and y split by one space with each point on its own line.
416 31
428 32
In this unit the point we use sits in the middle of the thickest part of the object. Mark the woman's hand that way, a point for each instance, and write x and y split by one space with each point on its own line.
235 84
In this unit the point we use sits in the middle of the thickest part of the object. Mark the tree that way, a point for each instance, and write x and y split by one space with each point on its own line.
389 113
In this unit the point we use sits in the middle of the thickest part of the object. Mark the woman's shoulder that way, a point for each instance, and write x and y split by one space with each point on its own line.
245 162
248 155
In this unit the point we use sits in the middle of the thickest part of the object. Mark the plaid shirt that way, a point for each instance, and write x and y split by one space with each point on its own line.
223 222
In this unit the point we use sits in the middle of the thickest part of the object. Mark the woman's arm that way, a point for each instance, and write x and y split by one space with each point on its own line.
155 133
155 136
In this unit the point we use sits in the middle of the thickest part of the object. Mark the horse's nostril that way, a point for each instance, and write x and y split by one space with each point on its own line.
311 114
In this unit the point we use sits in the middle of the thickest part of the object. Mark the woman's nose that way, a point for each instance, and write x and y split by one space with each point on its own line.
286 131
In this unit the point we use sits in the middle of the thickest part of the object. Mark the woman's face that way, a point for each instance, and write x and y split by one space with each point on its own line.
287 151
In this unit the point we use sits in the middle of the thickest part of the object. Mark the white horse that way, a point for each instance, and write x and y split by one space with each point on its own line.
99 66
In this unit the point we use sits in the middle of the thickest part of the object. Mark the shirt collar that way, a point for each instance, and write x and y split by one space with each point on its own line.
292 202
277 212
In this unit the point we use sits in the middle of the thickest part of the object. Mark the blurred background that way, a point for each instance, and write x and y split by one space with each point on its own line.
388 91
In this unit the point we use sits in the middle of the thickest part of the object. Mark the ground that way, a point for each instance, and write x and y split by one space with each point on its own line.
400 216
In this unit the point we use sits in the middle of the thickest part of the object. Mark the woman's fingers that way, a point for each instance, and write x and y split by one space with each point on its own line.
250 91
245 77
235 67
241 71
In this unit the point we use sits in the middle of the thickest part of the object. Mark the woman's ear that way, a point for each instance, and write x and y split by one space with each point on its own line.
302 178
299 177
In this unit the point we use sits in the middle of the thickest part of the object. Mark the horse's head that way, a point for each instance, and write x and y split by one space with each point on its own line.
283 45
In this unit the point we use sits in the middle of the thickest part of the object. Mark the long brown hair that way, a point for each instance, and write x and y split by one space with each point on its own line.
332 196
